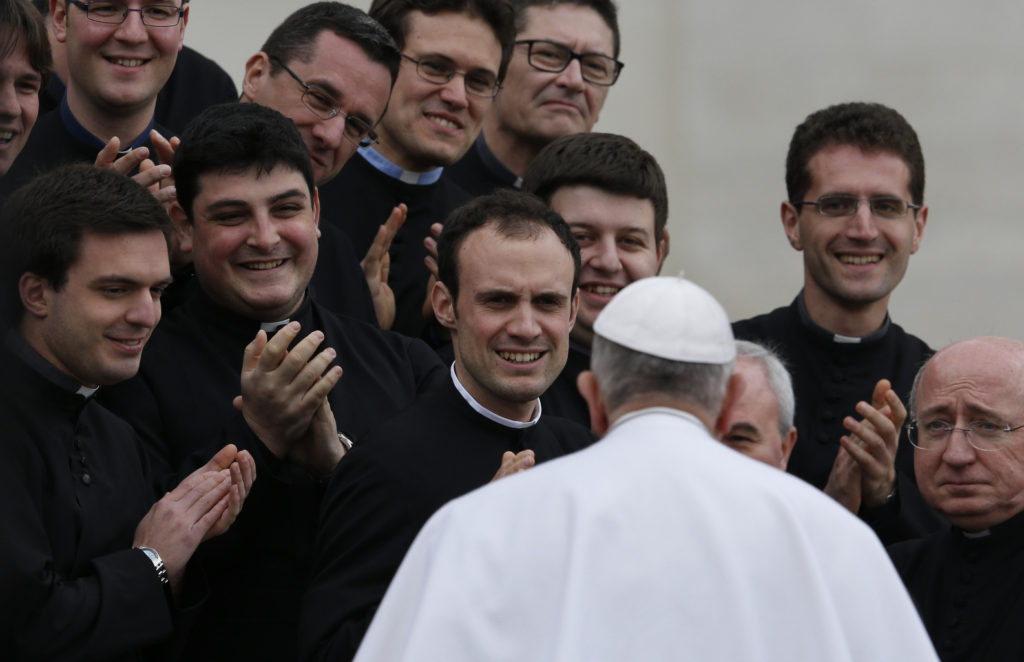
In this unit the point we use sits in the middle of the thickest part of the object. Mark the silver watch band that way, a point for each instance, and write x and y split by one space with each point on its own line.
158 564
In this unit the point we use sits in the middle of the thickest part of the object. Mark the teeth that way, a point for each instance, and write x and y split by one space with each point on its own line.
263 266
445 123
6 136
603 290
127 63
855 259
519 357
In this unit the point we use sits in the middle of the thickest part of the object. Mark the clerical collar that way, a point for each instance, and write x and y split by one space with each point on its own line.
391 170
671 411
492 163
273 327
805 318
487 413
18 346
84 136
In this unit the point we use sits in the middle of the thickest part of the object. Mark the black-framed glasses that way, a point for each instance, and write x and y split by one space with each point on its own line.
357 130
115 13
836 205
439 70
933 435
553 57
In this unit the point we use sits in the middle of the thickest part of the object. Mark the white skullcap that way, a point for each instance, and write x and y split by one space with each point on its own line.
671 318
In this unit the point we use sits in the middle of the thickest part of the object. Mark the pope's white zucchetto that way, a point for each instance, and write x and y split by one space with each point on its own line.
671 318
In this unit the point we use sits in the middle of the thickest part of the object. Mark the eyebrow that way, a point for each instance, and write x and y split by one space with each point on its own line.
117 279
336 98
591 226
746 427
235 202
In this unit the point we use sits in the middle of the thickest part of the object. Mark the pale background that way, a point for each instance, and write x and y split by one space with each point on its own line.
715 89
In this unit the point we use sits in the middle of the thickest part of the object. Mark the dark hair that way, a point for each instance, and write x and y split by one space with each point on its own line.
606 161
234 137
43 222
20 23
393 15
605 8
513 214
871 127
293 39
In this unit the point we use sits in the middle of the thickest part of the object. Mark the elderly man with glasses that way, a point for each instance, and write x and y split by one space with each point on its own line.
454 56
855 209
967 407
563 65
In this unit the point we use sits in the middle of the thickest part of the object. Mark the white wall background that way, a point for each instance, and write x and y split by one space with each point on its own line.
715 89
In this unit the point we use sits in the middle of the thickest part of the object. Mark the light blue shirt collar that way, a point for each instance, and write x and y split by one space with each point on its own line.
394 171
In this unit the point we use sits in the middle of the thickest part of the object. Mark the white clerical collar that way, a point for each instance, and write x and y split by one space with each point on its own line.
392 170
671 411
487 413
87 391
272 327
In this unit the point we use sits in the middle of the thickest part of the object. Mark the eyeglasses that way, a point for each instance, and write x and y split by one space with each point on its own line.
554 57
115 13
835 206
439 70
357 130
933 435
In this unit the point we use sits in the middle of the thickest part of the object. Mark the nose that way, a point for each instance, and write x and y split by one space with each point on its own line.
144 311
454 92
330 132
133 30
958 451
263 234
524 324
9 106
572 76
604 256
862 225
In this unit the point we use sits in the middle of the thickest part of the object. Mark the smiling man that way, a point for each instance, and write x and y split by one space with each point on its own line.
249 212
562 67
612 194
507 292
119 57
24 64
855 180
967 428
454 56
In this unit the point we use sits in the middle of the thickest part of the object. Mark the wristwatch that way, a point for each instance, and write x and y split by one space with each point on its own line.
345 441
158 564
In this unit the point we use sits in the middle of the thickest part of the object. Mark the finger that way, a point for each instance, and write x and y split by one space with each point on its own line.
215 520
276 349
394 223
881 423
436 229
222 459
207 499
248 467
166 195
866 437
164 148
106 156
127 163
867 462
253 352
377 249
882 387
313 369
898 414
154 174
296 359
318 390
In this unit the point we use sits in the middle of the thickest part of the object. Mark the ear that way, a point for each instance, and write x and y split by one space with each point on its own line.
316 210
586 383
183 228
257 73
663 246
575 309
444 305
919 222
787 447
59 17
732 392
181 28
35 294
791 224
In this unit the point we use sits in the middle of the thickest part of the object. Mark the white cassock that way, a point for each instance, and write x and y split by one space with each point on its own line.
656 543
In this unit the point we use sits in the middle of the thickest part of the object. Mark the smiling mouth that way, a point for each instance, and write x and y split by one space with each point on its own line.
601 290
444 122
520 357
860 259
263 266
127 62
6 136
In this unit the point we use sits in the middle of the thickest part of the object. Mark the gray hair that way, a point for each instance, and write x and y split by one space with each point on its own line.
778 379
624 374
912 400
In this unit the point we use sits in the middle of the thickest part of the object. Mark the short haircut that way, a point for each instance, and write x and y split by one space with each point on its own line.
512 214
44 221
870 127
235 137
21 24
293 39
778 379
624 375
394 16
605 9
605 161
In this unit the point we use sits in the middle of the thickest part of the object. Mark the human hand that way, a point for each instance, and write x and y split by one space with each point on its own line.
430 243
242 469
155 178
281 389
512 463
319 450
377 264
873 442
844 482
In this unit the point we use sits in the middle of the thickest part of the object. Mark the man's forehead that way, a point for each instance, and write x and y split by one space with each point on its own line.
549 21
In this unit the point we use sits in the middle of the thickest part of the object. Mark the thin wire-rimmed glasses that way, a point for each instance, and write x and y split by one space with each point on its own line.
439 71
933 435
357 130
115 13
553 57
836 205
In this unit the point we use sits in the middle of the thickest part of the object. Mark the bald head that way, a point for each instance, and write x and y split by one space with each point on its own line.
978 384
